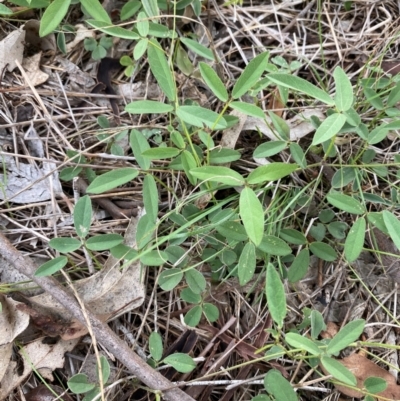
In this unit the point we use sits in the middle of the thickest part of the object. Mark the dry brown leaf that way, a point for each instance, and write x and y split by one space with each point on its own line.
11 49
43 357
12 323
81 34
32 68
363 368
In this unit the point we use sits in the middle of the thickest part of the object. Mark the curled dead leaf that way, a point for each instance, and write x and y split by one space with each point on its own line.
363 368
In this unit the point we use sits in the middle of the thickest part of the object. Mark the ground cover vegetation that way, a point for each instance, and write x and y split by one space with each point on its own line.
231 209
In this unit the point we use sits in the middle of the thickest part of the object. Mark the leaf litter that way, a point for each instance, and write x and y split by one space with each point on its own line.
369 29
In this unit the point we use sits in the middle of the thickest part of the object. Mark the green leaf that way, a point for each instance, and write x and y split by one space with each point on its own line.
169 279
192 318
298 268
198 48
145 231
344 90
154 258
270 172
338 371
276 297
189 296
374 98
79 384
161 153
279 387
150 197
183 363
250 75
83 216
124 252
129 9
345 202
298 155
224 175
347 335
105 369
268 149
355 240
232 230
140 49
52 266
65 244
301 85
252 215
248 109
148 107
142 24
112 30
96 10
329 128
304 343
274 246
317 323
139 145
213 81
211 312
112 179
338 229
375 385
189 163
182 60
323 251
293 236
223 155
394 96
5 10
280 125
199 116
247 263
393 227
101 242
52 16
151 8
155 346
343 177
195 280
161 70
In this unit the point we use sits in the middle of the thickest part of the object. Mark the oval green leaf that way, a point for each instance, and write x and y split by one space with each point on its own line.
329 128
393 227
323 251
102 242
148 107
250 75
169 279
247 263
344 90
347 335
338 371
270 172
355 240
214 82
51 267
160 68
276 297
303 343
155 346
268 149
65 244
112 30
252 215
301 85
345 203
298 269
83 216
224 175
248 109
53 15
183 363
200 117
279 387
112 179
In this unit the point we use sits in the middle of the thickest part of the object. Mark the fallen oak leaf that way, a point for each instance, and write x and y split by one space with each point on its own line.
363 368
